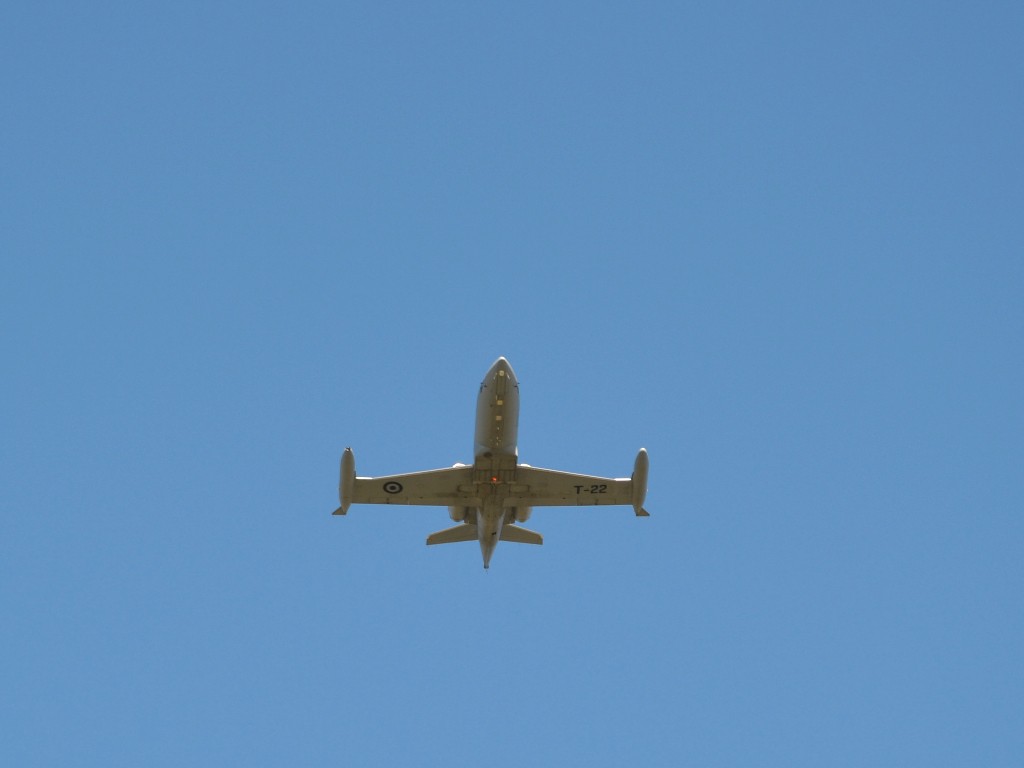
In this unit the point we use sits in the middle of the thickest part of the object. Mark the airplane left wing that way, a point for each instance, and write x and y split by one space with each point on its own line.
550 488
537 487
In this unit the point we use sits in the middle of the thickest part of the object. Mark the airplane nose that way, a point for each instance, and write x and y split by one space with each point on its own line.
502 365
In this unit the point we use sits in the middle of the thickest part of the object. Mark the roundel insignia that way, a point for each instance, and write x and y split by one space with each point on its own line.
392 487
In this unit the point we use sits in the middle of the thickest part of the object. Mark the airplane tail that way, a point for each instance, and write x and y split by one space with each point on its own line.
510 532
461 532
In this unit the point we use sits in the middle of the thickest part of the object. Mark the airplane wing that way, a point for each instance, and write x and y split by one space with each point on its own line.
449 487
456 486
549 488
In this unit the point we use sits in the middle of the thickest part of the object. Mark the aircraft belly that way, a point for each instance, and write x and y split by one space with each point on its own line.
497 426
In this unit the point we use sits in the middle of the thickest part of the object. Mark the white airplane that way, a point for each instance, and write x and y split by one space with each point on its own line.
488 497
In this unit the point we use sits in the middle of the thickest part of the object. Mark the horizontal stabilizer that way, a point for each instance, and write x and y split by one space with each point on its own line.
519 535
461 532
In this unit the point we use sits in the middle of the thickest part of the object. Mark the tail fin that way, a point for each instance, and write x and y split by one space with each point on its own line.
461 532
510 532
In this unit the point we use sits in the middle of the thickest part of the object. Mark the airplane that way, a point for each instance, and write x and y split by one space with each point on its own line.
490 497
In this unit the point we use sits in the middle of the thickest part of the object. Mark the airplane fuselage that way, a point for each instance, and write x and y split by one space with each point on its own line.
495 451
497 418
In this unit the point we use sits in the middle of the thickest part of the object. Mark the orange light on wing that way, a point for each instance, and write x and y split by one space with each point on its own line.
494 478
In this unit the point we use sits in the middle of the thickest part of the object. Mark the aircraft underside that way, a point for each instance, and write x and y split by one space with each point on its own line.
489 498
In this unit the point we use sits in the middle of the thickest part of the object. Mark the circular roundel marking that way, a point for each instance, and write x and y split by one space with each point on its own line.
392 487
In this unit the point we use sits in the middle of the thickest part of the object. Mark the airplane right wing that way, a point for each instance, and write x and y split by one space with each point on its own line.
436 487
449 487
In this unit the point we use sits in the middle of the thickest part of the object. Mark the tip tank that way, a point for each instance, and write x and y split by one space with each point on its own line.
639 479
348 480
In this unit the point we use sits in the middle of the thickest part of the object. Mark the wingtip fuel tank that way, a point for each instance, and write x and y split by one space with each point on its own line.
348 481
639 479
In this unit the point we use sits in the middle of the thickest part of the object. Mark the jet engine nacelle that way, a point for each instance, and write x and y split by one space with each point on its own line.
458 514
522 514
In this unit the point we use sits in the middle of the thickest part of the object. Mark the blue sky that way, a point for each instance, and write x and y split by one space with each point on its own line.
777 244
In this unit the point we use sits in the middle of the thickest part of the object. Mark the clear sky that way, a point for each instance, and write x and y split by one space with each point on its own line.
777 244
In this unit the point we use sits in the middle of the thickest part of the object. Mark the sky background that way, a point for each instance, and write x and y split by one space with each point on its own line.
777 244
